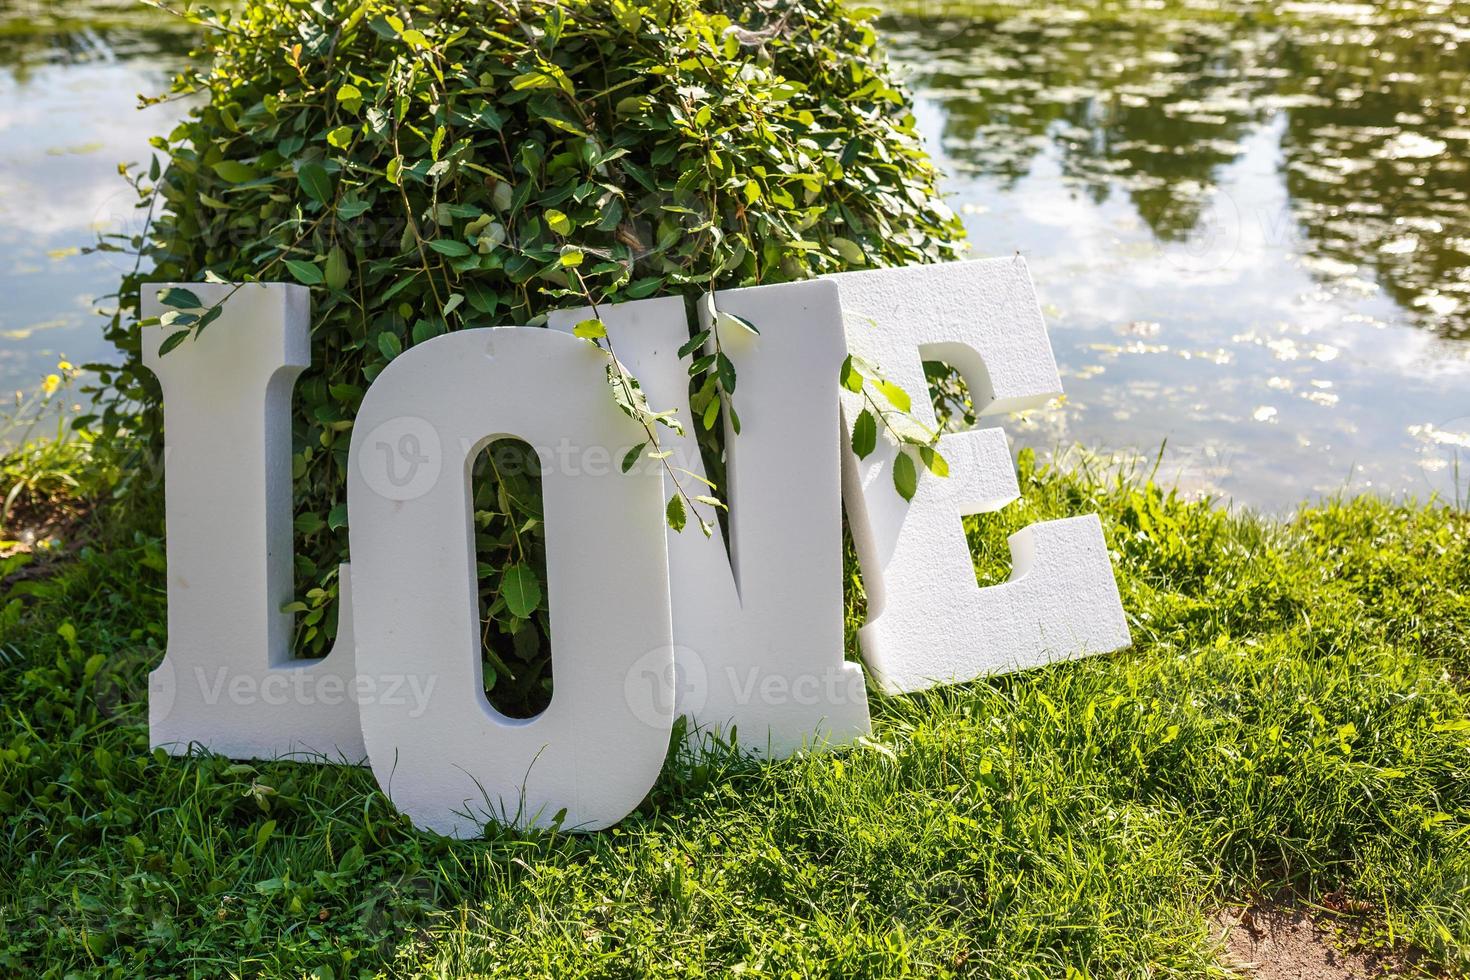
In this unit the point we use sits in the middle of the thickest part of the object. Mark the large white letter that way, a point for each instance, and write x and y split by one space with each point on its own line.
227 682
759 651
928 621
437 747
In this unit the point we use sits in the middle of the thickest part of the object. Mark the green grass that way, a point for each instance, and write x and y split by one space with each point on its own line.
48 468
1292 720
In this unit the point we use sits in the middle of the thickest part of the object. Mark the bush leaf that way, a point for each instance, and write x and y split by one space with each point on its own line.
896 396
521 591
314 181
171 341
234 172
905 477
306 273
934 462
864 434
179 299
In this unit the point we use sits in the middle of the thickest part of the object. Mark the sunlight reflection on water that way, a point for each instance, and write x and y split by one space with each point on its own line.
1235 254
1250 234
70 75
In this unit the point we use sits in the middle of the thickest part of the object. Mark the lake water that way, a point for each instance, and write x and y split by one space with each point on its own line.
1249 226
70 75
1250 233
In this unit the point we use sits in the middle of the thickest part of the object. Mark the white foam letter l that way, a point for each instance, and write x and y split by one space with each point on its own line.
227 468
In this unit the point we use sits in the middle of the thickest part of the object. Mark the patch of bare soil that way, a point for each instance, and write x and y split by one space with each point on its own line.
40 526
1289 943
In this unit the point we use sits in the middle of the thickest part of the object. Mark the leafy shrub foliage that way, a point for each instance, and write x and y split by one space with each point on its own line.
465 164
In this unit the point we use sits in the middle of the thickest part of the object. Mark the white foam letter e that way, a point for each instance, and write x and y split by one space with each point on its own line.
928 620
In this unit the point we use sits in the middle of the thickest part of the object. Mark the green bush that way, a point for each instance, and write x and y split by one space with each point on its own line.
469 164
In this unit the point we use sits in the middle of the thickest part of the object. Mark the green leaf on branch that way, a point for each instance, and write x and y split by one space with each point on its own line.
449 247
628 396
850 377
934 462
850 251
521 590
694 344
725 369
631 456
864 434
532 80
675 513
306 273
337 271
210 315
315 182
171 341
179 299
590 329
725 319
235 172
701 364
352 206
905 477
896 396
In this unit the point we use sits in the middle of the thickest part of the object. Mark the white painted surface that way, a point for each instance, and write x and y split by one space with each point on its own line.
227 682
928 621
448 759
760 645
757 634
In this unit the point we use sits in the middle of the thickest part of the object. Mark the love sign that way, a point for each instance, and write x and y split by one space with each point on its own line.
647 624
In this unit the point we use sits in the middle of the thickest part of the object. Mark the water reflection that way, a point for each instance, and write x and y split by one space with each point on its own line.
1250 225
70 74
1139 103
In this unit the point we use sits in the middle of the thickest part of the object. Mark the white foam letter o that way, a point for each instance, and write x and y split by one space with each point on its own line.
440 751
